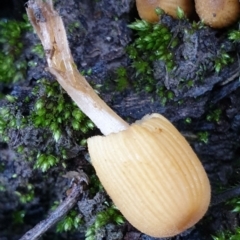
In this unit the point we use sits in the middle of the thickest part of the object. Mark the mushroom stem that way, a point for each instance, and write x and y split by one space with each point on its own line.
50 29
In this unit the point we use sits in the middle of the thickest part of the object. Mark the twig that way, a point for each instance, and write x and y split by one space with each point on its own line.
36 232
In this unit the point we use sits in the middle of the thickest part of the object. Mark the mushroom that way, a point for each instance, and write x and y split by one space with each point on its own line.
153 176
147 8
148 168
218 13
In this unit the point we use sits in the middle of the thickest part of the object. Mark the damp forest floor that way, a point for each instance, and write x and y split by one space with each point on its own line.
200 94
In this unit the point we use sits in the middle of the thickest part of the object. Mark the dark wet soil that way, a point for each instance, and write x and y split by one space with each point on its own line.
98 43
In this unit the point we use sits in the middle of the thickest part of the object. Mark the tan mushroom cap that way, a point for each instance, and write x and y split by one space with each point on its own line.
146 8
153 176
218 13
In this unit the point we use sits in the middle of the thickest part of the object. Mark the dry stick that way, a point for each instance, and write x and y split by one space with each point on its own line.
56 215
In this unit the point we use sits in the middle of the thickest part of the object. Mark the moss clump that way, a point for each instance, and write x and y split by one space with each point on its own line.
174 59
70 222
110 215
38 49
10 118
234 34
26 194
203 136
228 235
12 67
18 217
27 124
153 42
45 161
121 79
53 110
214 115
234 203
222 59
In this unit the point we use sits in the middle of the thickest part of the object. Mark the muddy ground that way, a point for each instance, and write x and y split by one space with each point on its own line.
98 43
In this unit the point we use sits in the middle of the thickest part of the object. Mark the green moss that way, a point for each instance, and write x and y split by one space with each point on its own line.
234 34
18 217
12 68
110 215
153 42
121 79
74 26
9 119
70 222
53 110
153 49
203 137
188 120
228 235
234 203
54 116
38 49
214 115
195 26
2 167
164 94
26 194
95 185
45 161
2 188
180 13
223 59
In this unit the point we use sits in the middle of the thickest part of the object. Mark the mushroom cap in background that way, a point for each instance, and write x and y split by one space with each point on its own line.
218 13
146 8
153 176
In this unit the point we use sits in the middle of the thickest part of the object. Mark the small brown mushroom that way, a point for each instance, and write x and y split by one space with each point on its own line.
218 13
153 176
147 8
148 168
